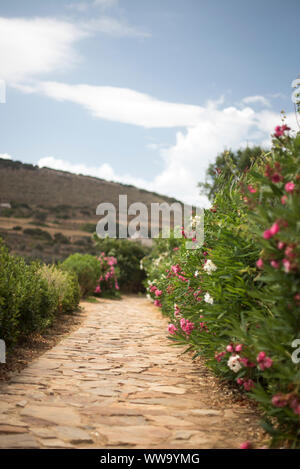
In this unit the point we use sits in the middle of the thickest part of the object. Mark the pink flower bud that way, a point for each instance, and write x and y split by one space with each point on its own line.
290 186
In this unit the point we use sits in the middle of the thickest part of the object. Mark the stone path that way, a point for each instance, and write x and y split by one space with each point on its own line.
117 383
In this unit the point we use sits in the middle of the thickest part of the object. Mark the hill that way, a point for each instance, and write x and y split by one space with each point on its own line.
48 214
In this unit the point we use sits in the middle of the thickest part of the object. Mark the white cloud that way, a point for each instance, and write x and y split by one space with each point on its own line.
5 156
33 47
121 104
256 100
30 47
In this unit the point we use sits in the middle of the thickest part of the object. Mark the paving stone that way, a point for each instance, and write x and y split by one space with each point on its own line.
24 441
73 435
134 435
56 444
168 389
52 415
12 429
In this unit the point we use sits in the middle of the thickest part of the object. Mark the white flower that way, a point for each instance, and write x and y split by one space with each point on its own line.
196 273
234 363
209 267
148 296
208 299
141 265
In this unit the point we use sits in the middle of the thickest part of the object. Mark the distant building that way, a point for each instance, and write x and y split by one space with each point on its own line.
5 205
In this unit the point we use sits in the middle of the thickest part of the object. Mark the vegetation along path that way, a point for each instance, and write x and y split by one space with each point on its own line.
117 382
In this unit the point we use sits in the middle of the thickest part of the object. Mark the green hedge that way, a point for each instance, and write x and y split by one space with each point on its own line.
31 295
87 269
236 300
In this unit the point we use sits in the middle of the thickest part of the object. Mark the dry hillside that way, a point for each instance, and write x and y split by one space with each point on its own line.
48 214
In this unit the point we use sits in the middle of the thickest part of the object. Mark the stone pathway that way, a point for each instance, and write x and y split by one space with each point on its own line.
117 383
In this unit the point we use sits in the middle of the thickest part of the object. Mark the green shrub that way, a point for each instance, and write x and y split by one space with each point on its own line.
87 269
65 285
60 238
88 227
31 295
38 233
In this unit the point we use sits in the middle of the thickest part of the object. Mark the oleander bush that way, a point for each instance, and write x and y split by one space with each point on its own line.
129 255
236 300
108 284
31 294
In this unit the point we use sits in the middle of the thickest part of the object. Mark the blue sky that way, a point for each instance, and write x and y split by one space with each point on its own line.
144 92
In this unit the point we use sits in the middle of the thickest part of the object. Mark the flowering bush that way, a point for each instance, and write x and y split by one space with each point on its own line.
129 254
236 301
108 279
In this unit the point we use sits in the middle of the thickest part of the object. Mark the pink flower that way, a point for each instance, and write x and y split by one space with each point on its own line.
245 445
280 245
272 231
157 303
290 186
240 381
274 228
276 177
175 249
172 329
260 263
176 268
98 289
251 189
261 356
267 234
286 265
278 131
279 400
246 362
229 348
153 288
238 347
158 292
284 199
248 385
295 405
219 356
186 325
275 264
264 361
